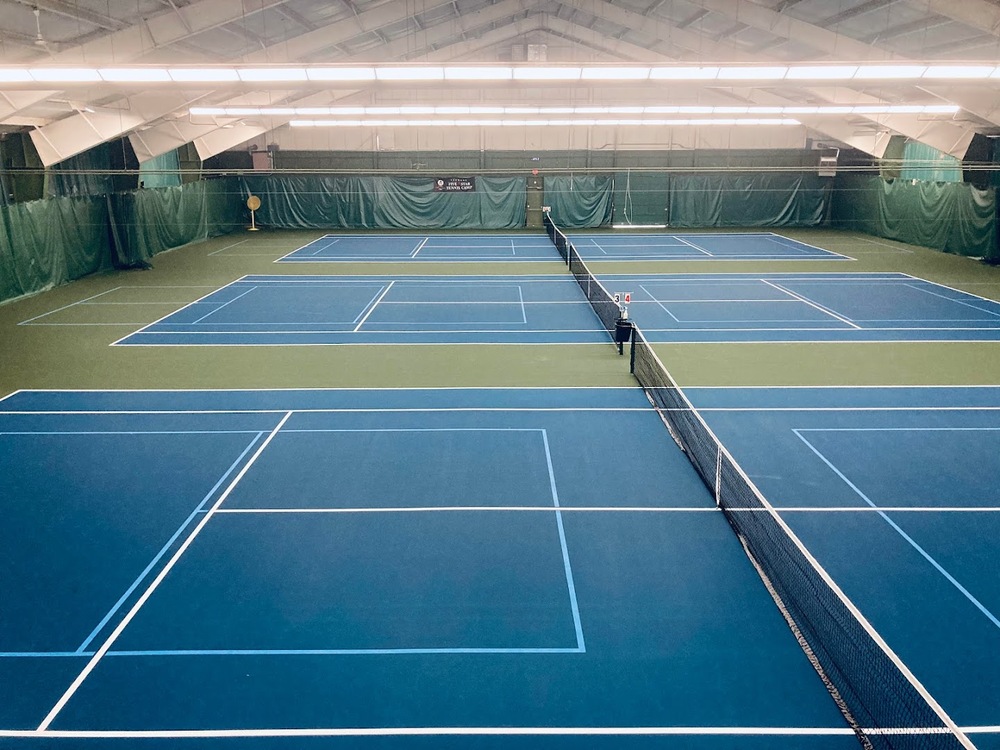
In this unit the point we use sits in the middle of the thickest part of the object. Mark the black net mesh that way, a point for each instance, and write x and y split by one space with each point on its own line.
600 299
884 707
557 237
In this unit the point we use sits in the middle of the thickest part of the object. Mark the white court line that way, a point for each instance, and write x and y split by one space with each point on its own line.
179 309
419 247
809 302
363 309
598 246
372 308
950 288
657 301
421 731
324 247
952 299
482 731
66 307
212 312
895 527
691 244
216 252
609 509
99 654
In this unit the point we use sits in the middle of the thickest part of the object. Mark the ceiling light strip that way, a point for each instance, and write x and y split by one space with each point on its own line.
355 112
568 122
417 73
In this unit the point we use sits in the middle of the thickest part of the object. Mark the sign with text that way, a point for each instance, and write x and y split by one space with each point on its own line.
454 185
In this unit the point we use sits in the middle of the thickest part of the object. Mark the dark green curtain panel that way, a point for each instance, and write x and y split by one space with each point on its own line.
748 200
146 222
50 242
372 202
641 197
580 200
954 217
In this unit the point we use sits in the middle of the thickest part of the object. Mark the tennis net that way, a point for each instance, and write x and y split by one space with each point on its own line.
882 701
600 299
556 235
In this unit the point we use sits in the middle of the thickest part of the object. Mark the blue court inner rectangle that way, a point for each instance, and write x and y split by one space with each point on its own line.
364 582
399 467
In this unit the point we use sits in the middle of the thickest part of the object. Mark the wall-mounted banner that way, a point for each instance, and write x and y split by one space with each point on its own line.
455 185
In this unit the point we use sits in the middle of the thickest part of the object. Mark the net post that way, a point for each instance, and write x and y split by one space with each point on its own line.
631 352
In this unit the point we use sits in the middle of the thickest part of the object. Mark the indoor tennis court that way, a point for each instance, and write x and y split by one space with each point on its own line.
507 374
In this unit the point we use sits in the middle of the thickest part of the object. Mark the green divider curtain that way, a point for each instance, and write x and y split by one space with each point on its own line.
45 243
148 221
641 198
579 200
955 217
161 171
376 202
748 200
923 162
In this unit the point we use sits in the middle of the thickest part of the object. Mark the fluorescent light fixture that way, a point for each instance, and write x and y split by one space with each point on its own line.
821 72
244 111
890 71
64 75
960 71
203 75
410 74
341 74
762 73
547 74
15 75
615 74
683 74
134 75
274 75
484 73
355 112
567 122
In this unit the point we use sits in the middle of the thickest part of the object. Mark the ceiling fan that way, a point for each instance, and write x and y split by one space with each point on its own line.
39 39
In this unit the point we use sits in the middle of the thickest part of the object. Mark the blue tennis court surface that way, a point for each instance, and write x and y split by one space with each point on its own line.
804 307
303 310
398 568
705 246
894 491
392 248
450 248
